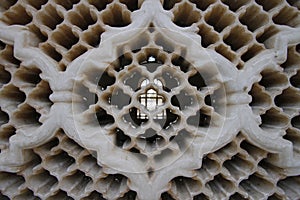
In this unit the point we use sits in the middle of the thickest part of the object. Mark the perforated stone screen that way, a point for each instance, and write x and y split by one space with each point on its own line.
149 99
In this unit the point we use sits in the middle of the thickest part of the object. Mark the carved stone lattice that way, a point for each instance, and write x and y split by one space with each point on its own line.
149 99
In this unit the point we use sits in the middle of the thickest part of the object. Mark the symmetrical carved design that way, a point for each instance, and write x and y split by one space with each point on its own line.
74 115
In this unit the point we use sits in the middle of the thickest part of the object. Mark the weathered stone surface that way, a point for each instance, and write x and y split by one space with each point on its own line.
150 99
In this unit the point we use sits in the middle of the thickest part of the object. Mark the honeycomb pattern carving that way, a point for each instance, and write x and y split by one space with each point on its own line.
76 78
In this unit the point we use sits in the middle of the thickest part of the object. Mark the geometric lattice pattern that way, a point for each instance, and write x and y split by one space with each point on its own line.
150 99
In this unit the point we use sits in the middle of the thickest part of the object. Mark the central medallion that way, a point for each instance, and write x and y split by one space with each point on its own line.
149 103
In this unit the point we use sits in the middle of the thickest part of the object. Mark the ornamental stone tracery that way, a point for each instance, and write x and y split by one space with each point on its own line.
149 99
